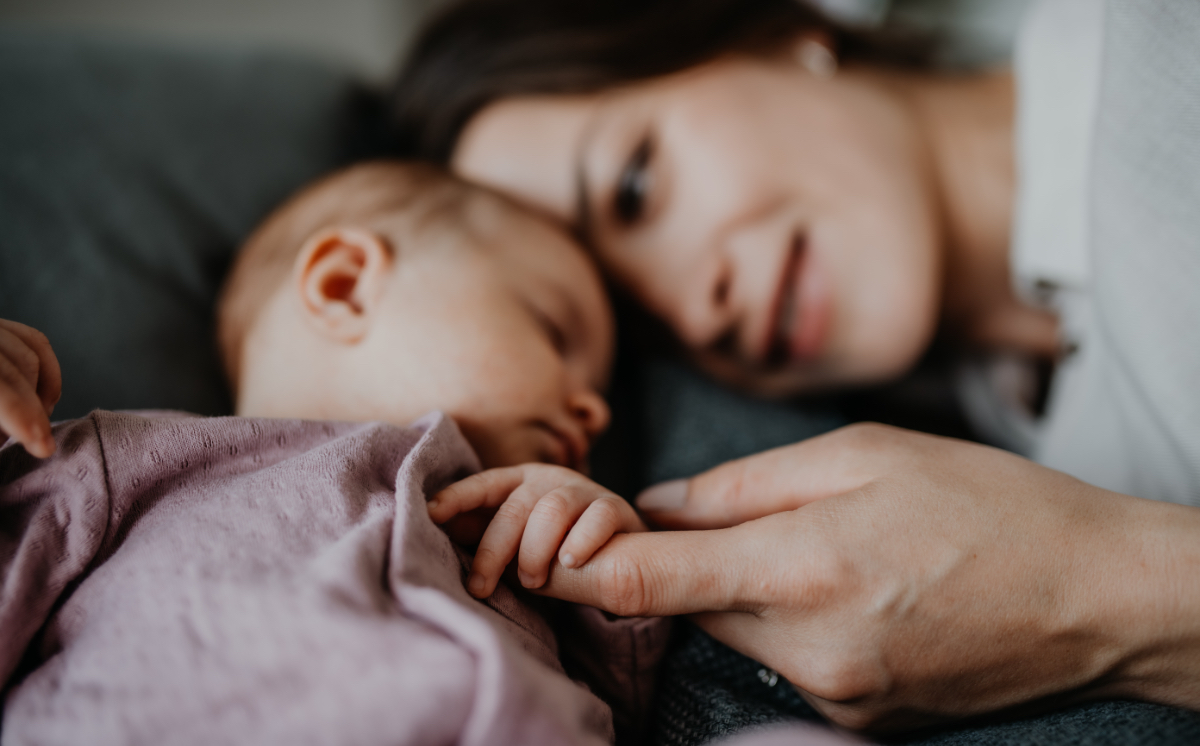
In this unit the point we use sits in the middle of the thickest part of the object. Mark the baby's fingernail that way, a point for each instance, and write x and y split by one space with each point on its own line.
666 496
567 560
526 579
475 584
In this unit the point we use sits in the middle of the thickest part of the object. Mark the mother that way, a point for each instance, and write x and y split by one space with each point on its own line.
803 223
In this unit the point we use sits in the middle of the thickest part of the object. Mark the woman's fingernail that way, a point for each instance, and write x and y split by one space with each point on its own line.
475 584
526 579
567 560
666 496
432 504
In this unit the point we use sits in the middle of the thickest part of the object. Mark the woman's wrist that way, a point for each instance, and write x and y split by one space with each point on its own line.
1145 591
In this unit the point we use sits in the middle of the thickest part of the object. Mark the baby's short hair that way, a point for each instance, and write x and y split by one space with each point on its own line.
366 195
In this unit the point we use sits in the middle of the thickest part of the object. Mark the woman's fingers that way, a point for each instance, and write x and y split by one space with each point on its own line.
774 481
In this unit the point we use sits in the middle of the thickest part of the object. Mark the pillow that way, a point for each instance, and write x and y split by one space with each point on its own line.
129 174
690 423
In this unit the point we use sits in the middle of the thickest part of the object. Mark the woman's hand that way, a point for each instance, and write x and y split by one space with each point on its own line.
30 385
912 579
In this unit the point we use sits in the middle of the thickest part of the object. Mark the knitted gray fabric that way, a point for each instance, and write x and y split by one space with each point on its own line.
708 691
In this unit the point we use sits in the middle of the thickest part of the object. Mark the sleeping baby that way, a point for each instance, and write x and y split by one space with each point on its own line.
276 577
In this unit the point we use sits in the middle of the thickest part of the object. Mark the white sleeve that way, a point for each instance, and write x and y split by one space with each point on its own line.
1125 411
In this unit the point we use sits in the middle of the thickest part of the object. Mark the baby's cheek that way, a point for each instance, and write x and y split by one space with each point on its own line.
498 443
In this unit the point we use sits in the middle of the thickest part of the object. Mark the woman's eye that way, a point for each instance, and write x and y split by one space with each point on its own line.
629 202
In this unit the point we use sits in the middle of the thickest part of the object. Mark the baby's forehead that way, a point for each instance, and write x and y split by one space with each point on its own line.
442 219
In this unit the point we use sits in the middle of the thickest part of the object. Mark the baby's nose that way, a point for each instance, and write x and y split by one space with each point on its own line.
592 412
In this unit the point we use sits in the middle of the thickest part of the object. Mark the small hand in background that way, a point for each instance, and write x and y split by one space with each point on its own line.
30 385
537 510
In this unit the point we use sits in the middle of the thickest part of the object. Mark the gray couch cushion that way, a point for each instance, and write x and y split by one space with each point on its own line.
129 173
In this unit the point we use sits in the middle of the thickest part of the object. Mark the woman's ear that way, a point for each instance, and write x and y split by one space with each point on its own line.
341 274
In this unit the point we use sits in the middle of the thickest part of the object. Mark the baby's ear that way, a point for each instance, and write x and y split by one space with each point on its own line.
340 275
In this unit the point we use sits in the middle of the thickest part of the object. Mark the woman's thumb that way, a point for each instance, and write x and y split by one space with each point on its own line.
732 493
657 574
770 482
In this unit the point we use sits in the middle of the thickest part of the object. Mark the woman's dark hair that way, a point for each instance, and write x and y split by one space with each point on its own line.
474 52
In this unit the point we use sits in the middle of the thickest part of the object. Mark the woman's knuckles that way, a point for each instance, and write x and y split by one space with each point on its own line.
645 574
625 591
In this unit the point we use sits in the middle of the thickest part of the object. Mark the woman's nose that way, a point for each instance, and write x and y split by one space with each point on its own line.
590 409
707 315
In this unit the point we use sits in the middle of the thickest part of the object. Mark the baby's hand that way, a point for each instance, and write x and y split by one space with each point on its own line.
535 507
30 384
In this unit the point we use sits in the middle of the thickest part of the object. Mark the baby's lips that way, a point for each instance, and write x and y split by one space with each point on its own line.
581 446
572 448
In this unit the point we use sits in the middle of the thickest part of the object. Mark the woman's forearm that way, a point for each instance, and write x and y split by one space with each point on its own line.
1148 595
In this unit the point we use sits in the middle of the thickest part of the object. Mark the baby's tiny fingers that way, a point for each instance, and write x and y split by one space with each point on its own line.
487 489
500 542
549 522
43 372
21 412
603 518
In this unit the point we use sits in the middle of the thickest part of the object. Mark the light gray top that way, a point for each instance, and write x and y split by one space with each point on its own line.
1107 233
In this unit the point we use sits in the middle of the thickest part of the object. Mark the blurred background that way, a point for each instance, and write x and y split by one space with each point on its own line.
371 36
141 141
367 36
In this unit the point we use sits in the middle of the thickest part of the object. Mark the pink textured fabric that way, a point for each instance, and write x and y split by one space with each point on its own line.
176 579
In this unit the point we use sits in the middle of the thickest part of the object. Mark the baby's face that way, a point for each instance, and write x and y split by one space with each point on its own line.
504 325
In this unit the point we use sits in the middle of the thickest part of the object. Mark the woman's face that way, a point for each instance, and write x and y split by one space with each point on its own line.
783 225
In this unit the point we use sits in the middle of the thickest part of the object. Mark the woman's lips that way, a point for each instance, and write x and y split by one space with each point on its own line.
801 310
